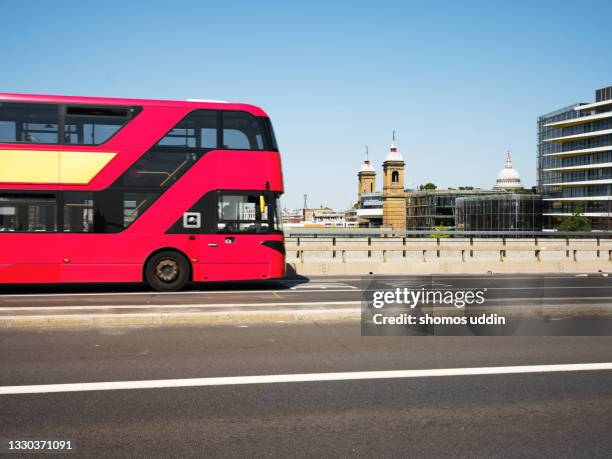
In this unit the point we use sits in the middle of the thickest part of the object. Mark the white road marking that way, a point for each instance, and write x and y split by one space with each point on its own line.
329 281
305 377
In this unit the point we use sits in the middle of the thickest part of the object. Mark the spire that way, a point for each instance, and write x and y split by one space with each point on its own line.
394 154
508 160
366 166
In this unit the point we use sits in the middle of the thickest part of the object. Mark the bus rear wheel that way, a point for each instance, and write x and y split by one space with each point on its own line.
167 271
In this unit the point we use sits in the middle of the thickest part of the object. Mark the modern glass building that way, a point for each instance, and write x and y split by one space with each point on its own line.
370 210
500 212
427 209
575 162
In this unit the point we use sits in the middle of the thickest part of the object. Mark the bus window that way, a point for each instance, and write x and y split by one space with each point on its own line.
29 123
94 125
28 214
242 131
196 130
78 212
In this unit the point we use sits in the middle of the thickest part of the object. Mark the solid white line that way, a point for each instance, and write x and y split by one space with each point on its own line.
290 290
305 377
180 313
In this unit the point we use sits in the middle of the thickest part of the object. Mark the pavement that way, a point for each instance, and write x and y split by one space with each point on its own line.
548 413
293 299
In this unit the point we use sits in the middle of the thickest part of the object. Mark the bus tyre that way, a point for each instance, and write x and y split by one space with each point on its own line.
167 271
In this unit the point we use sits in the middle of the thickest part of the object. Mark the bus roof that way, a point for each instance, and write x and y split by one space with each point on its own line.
195 103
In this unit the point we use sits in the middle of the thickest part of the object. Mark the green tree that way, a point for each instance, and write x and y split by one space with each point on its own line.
577 222
440 228
428 186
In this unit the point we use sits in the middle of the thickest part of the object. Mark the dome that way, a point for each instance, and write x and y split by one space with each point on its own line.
508 177
394 154
366 166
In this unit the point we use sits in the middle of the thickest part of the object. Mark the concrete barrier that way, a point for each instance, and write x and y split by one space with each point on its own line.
365 255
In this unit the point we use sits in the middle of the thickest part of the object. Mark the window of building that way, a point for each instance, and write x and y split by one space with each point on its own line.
94 125
28 213
242 131
395 176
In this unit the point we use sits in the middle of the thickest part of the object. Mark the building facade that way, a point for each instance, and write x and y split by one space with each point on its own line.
499 212
427 209
575 162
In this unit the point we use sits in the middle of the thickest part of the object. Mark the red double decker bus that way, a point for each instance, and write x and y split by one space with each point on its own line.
130 190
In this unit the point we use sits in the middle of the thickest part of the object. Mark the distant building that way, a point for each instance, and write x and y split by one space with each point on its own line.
386 209
292 217
575 162
330 220
508 178
370 210
499 212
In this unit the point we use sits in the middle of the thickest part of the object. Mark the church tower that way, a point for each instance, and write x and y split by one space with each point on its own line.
394 196
366 176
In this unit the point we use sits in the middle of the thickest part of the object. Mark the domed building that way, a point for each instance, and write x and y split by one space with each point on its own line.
508 178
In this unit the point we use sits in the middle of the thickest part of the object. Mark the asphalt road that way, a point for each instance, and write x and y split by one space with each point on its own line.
594 288
571 298
552 414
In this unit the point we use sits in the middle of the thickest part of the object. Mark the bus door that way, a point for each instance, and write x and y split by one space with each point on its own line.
234 250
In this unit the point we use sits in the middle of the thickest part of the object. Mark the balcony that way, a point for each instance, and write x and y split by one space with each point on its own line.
578 168
584 135
580 120
584 151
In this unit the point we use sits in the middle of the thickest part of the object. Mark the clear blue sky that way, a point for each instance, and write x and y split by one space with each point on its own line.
460 81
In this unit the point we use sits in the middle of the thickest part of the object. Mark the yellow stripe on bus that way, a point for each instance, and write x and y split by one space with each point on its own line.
45 166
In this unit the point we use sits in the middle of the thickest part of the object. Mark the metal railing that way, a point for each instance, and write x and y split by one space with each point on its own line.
376 232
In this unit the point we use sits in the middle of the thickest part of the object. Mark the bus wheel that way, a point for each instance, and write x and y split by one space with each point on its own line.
167 271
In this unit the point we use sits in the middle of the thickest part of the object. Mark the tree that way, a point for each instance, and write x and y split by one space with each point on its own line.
577 222
428 186
440 228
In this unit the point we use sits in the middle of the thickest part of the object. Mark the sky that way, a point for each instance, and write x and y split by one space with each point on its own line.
460 81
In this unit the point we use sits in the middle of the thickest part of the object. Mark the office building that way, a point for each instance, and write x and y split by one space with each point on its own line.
575 162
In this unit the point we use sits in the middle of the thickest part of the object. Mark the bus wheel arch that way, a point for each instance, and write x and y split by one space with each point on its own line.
167 270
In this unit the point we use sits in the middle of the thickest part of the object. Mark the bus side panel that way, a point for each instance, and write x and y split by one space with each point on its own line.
29 258
115 257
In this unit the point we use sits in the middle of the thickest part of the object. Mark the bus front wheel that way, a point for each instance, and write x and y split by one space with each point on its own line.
167 271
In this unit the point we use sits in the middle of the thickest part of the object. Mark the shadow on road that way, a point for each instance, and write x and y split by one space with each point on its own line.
291 279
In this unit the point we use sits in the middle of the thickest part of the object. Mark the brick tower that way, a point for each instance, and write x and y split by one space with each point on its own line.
366 176
394 196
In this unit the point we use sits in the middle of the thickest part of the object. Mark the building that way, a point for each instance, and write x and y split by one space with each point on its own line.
370 210
499 212
292 217
575 162
386 209
394 196
508 178
325 219
427 209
